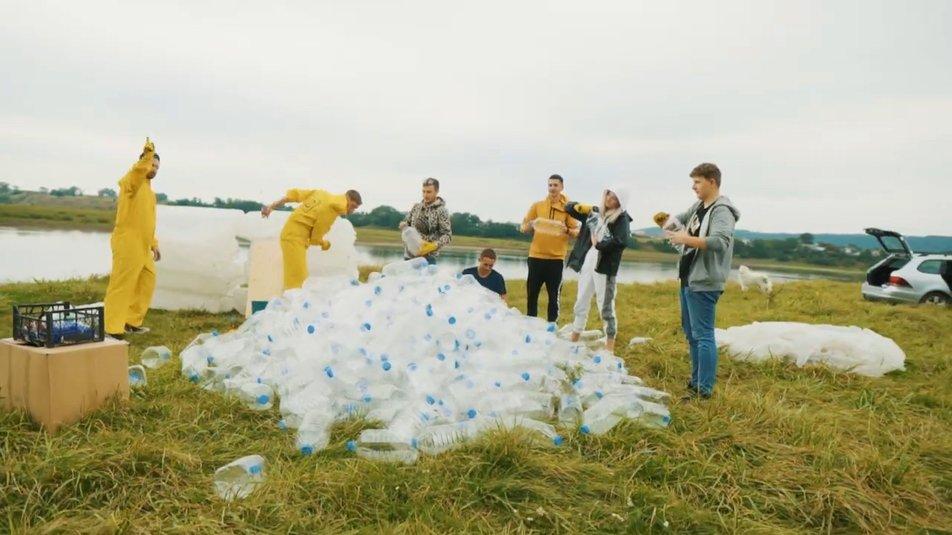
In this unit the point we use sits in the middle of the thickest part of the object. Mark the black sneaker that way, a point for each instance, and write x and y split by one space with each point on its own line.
116 336
136 330
693 394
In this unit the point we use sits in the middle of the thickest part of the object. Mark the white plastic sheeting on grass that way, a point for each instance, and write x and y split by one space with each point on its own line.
853 349
436 359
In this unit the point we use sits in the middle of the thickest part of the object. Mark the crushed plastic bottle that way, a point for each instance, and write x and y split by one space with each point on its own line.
607 412
239 478
412 239
155 357
137 378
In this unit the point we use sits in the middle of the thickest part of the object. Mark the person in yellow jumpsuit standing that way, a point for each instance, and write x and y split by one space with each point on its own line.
316 212
134 248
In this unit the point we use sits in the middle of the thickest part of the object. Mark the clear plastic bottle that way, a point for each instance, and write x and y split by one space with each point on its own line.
155 357
436 439
570 409
257 396
137 378
540 428
384 445
239 478
611 409
412 239
314 432
549 227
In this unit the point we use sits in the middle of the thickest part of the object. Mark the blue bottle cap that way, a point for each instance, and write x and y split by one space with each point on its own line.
386 365
584 429
471 413
558 440
351 445
263 399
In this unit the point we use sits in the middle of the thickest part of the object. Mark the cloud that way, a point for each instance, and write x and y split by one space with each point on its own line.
804 105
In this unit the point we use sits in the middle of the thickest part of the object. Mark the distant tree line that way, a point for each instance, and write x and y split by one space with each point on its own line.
464 223
800 249
235 204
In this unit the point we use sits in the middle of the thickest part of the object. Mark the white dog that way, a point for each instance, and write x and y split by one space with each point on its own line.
747 277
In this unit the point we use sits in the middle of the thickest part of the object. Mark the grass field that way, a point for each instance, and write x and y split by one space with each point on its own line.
58 217
779 449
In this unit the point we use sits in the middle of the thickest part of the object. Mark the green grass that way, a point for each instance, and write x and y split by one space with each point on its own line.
779 449
60 217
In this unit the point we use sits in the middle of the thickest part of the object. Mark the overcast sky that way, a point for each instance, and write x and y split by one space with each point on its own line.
823 116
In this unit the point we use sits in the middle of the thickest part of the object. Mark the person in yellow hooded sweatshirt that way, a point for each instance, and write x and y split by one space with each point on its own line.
551 227
134 248
316 212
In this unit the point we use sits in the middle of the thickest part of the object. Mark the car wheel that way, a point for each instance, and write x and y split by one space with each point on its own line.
936 298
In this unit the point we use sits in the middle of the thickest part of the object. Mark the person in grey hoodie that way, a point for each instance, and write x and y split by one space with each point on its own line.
707 246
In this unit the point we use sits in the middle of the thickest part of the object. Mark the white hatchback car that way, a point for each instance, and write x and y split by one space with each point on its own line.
907 277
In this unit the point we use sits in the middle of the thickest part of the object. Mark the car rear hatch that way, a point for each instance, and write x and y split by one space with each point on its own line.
899 255
892 242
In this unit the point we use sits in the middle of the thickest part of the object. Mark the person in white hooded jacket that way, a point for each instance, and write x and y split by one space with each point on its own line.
597 256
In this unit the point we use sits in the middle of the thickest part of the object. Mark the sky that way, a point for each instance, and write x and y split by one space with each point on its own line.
825 116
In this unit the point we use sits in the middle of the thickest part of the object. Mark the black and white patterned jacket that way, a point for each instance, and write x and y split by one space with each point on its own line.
433 223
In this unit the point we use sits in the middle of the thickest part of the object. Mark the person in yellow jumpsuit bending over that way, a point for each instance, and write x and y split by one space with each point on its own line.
134 248
316 212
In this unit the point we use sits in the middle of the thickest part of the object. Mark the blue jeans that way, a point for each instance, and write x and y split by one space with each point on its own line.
697 320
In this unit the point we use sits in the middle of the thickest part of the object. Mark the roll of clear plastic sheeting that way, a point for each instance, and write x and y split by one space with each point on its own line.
204 262
202 266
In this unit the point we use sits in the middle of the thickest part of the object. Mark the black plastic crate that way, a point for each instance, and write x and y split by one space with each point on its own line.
58 324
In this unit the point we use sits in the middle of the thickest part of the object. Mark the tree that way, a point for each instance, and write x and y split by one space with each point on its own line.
161 197
107 192
71 191
806 238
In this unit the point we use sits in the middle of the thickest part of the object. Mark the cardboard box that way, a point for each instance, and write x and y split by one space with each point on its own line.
265 272
59 385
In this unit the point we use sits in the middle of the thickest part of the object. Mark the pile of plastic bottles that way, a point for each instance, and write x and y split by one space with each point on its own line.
435 359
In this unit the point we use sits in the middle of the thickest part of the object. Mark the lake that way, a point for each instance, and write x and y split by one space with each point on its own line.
59 254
